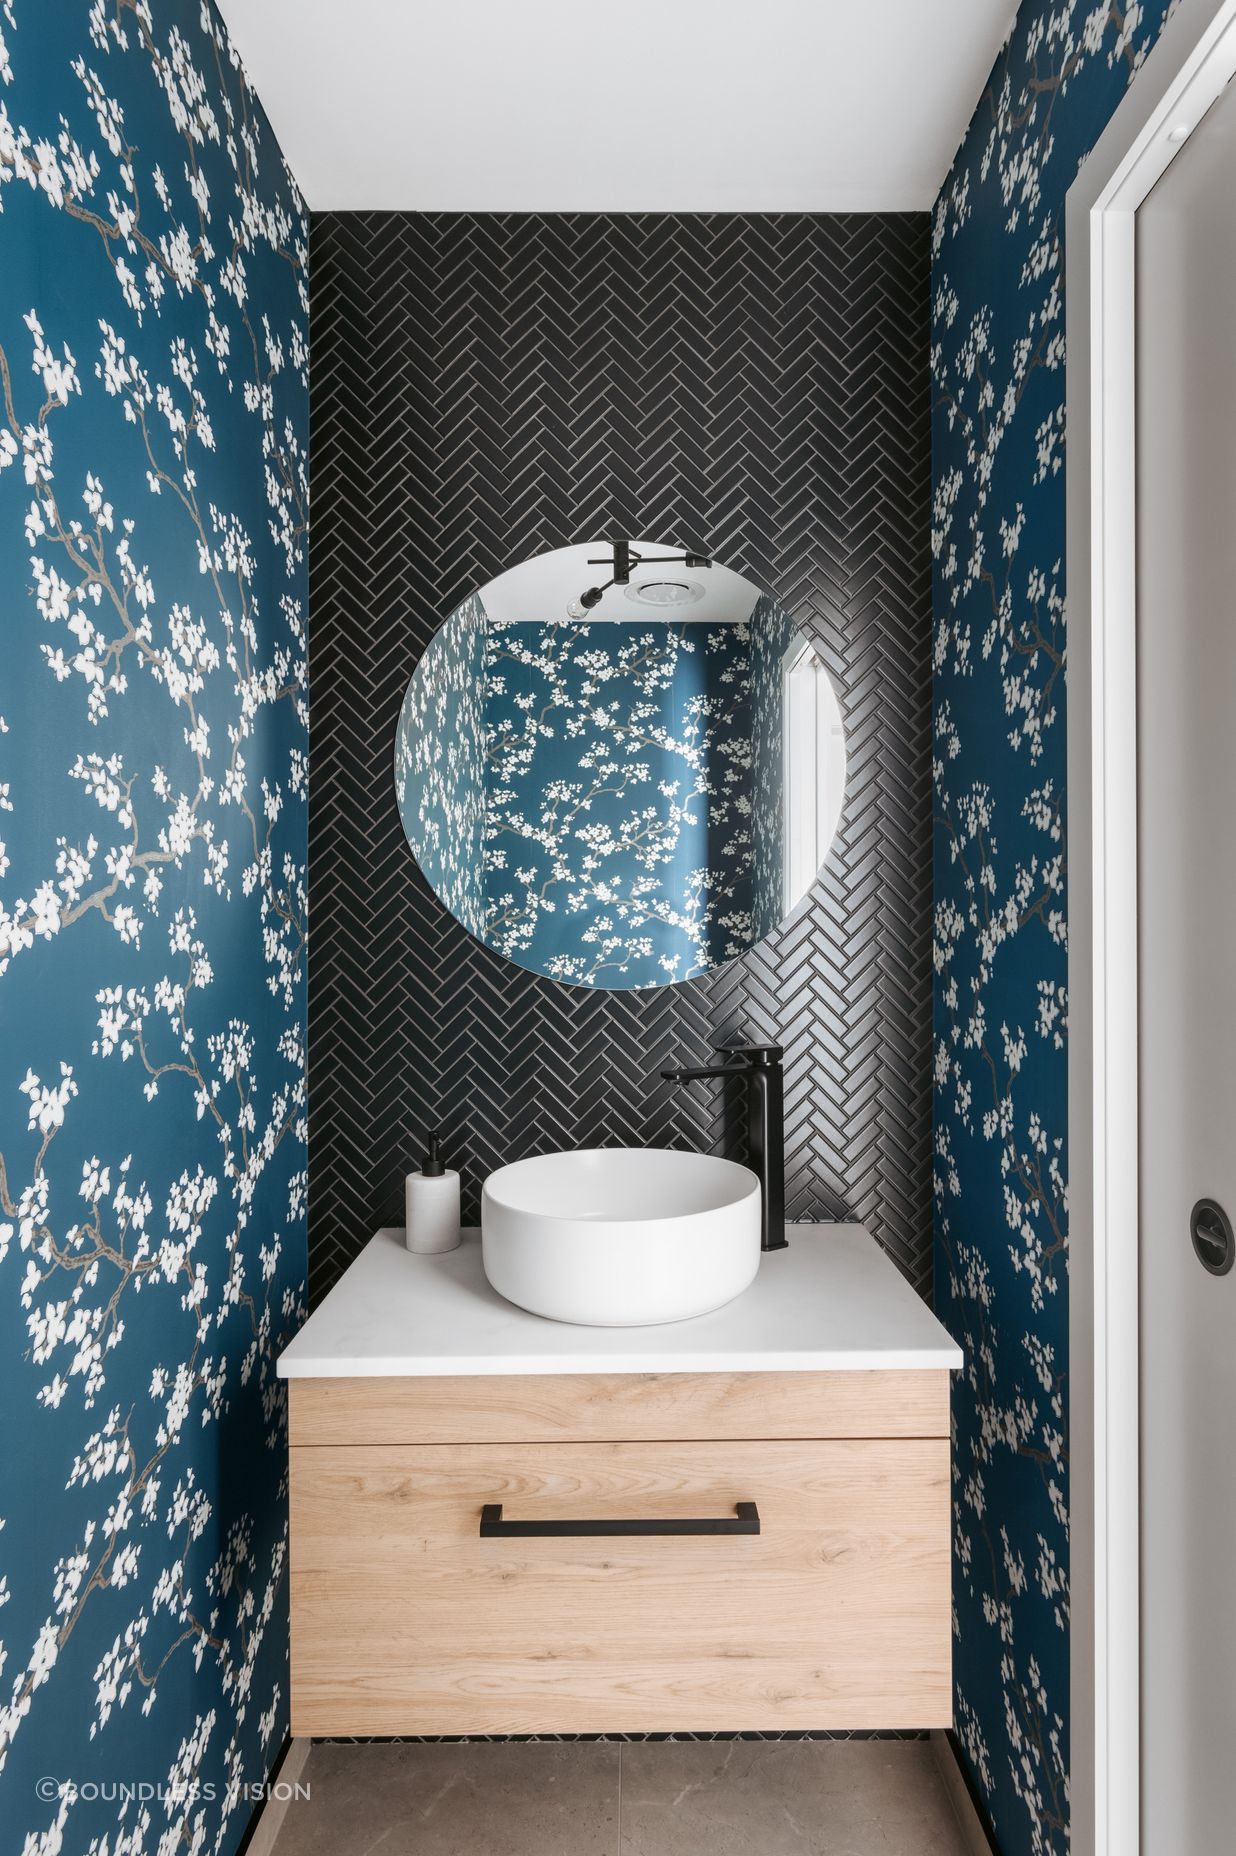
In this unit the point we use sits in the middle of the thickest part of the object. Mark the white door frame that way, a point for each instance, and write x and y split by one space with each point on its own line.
1192 62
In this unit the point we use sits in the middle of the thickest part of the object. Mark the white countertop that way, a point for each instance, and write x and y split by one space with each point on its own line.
832 1301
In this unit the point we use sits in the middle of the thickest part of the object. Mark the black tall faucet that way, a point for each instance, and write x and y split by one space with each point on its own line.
759 1065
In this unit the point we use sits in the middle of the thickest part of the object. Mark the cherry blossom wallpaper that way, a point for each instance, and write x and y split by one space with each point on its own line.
1000 947
153 734
440 763
601 803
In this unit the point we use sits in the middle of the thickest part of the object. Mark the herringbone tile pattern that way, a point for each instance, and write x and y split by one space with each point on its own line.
488 386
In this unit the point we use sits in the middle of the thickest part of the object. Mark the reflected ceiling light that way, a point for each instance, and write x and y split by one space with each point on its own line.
666 592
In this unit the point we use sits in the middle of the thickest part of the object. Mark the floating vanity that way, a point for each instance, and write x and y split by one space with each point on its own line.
503 1524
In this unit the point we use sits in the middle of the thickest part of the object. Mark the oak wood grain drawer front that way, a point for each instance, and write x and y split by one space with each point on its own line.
582 1407
405 1621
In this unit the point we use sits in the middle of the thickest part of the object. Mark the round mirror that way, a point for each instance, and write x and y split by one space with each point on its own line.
620 764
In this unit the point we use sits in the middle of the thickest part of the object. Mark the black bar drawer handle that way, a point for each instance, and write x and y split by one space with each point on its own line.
744 1520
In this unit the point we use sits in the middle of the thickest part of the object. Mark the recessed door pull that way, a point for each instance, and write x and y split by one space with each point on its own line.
744 1520
1211 1231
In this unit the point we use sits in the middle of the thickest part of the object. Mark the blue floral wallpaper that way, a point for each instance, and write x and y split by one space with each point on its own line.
153 733
618 843
1001 1009
624 780
440 763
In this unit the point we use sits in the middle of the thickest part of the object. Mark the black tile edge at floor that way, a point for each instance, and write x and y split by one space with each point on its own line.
255 1817
252 1842
821 1733
975 1822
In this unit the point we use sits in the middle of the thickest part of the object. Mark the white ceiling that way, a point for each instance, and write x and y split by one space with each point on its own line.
639 106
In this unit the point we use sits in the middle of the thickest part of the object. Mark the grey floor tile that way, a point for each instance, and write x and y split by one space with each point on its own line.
684 1798
456 1800
788 1798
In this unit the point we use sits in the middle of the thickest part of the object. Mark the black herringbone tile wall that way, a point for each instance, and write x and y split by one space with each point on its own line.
488 386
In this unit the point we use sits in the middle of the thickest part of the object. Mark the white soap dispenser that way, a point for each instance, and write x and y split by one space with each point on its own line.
431 1204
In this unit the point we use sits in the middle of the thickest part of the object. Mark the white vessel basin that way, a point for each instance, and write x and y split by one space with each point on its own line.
620 1237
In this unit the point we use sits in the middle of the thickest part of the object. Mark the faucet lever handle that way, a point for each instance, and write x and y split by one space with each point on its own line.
757 1053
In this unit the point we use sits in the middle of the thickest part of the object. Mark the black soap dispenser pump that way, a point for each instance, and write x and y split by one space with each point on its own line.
431 1203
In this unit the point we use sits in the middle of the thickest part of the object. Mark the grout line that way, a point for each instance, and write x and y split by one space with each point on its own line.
620 1752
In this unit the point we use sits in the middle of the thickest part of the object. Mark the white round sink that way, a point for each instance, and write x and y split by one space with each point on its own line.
620 1237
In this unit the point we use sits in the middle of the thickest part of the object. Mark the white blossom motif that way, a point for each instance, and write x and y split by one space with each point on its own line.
153 736
440 764
1001 1008
601 802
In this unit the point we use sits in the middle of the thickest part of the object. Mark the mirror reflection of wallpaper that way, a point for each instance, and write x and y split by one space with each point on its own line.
440 764
618 835
625 775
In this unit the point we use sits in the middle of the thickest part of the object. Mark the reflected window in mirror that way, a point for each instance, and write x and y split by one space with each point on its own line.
814 768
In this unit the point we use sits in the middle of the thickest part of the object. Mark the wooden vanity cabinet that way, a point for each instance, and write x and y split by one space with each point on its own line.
407 1620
